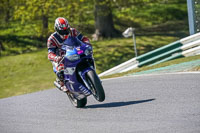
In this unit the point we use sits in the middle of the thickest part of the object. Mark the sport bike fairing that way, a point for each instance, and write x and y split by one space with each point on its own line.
77 62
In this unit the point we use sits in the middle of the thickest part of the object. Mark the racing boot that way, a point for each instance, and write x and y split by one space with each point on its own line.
60 85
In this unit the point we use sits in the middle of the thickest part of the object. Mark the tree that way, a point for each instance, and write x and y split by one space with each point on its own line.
6 9
32 10
104 26
45 11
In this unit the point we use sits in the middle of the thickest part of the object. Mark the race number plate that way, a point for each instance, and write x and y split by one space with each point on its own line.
69 70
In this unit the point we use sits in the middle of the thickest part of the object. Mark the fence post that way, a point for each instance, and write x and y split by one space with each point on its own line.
190 7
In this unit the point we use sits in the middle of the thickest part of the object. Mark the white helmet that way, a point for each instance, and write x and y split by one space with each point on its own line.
61 26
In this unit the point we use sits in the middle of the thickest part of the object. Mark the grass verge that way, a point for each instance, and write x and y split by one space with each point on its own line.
25 73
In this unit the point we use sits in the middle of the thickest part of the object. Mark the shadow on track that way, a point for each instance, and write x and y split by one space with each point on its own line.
118 104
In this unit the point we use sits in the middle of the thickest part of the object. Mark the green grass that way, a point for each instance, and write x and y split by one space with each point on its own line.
25 73
18 38
168 63
32 72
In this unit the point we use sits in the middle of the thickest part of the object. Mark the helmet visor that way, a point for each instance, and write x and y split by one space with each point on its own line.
64 32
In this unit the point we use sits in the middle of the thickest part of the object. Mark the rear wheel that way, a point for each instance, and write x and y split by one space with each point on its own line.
77 103
96 86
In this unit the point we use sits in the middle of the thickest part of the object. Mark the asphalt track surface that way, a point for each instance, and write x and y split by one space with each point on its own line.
167 103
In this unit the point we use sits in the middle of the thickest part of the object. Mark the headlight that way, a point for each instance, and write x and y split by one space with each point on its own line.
73 57
88 51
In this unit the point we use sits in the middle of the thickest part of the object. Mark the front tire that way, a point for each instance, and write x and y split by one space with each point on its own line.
77 103
96 86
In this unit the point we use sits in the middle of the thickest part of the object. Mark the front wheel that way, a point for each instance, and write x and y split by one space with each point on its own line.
77 103
96 86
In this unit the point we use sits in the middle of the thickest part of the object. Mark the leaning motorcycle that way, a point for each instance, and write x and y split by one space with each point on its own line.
79 73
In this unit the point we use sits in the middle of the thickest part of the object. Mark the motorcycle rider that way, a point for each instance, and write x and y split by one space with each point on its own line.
54 44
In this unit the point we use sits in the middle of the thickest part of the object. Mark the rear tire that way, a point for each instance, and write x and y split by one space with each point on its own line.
77 103
96 86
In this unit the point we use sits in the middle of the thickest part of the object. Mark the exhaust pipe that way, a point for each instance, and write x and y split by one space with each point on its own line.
57 85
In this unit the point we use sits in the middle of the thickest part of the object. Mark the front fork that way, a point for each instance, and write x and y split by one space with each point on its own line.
83 77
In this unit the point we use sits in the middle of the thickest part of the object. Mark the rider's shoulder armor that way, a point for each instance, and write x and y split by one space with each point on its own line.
55 40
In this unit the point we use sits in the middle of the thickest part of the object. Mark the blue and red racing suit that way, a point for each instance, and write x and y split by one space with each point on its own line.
54 44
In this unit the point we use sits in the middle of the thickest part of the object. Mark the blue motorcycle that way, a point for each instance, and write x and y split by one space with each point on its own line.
79 73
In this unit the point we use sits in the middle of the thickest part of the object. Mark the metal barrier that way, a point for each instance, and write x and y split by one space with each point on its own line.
182 48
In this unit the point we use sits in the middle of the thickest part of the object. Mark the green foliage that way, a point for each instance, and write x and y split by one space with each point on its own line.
150 14
135 13
36 10
6 10
149 17
27 23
